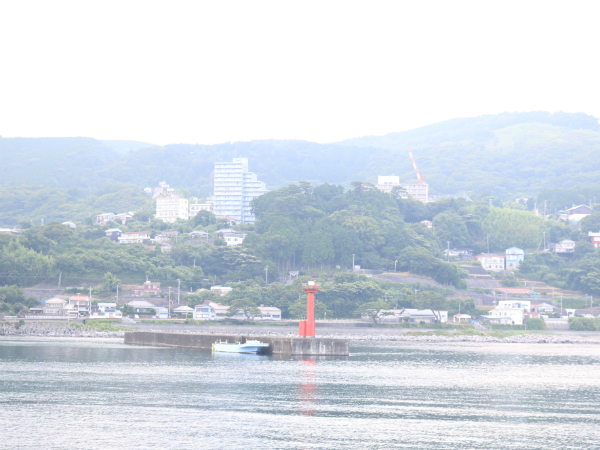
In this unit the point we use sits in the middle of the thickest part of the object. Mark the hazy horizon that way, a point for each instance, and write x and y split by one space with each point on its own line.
321 72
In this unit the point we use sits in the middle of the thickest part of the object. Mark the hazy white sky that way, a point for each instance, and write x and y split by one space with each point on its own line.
210 72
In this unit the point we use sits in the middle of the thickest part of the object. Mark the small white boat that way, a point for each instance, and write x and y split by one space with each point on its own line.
248 347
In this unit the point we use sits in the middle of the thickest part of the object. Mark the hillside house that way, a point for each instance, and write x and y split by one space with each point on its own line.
233 238
514 256
103 219
195 208
566 246
147 289
221 290
491 261
515 304
134 237
543 308
594 238
457 318
575 213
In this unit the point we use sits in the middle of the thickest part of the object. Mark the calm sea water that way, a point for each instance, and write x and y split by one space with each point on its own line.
100 394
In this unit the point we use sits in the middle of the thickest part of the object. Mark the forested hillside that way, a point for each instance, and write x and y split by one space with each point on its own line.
506 156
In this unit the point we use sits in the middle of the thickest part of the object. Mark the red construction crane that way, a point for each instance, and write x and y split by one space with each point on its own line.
420 177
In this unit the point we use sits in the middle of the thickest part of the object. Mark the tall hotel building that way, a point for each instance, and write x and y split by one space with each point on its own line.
235 188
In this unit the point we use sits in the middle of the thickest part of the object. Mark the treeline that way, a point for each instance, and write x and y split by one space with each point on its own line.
23 206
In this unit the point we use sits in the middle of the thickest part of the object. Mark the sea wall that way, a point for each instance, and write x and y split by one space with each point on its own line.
277 345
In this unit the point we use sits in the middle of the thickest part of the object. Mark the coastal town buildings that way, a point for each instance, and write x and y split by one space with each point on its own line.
134 237
171 207
565 246
514 256
234 189
418 191
491 261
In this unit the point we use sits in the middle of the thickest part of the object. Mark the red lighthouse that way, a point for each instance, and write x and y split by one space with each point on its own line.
307 327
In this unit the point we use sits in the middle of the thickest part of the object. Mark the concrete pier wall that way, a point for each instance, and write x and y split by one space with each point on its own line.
277 345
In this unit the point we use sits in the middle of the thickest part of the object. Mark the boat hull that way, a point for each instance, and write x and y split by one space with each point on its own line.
240 348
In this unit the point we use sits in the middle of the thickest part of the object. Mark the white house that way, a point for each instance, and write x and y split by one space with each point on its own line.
171 207
106 311
54 307
233 238
103 219
566 246
195 208
215 311
491 261
413 315
515 314
516 304
134 237
70 224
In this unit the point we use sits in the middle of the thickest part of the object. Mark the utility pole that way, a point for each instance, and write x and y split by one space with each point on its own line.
194 262
448 251
395 262
488 242
59 277
352 262
169 305
267 276
178 289
544 233
117 294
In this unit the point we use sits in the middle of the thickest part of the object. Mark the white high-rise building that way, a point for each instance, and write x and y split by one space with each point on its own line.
171 207
418 191
235 188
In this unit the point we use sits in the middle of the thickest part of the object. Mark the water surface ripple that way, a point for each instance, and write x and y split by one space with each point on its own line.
101 394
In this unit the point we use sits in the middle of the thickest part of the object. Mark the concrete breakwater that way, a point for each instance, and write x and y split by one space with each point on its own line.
55 330
277 345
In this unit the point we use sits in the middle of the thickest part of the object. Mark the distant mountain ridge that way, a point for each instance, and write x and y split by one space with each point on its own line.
505 155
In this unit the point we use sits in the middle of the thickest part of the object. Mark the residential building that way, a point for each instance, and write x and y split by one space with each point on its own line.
543 308
427 223
103 219
233 238
491 261
171 207
461 318
514 314
413 315
70 224
516 304
54 307
221 290
517 291
123 217
9 231
148 288
418 191
81 304
106 311
594 238
514 256
142 306
113 234
566 246
195 208
575 213
234 190
134 237
184 311
215 311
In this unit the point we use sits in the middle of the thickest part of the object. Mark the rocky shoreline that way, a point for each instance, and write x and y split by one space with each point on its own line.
55 330
72 330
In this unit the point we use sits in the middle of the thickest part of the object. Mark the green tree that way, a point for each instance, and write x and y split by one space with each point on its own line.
243 306
373 310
